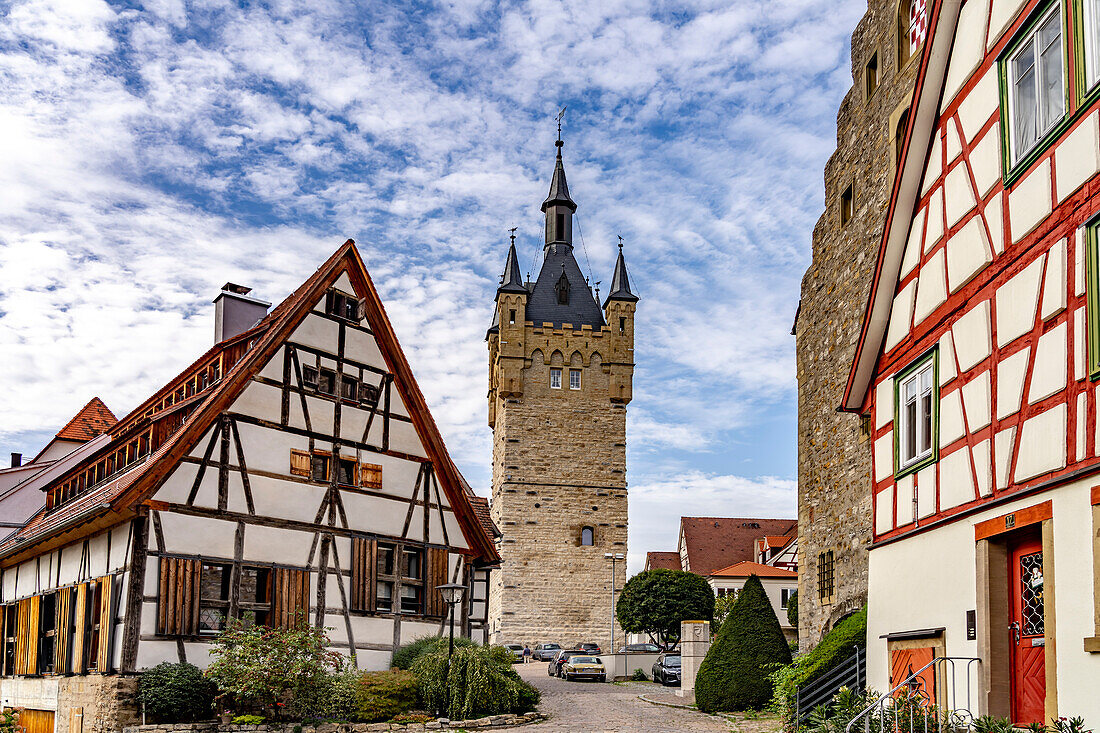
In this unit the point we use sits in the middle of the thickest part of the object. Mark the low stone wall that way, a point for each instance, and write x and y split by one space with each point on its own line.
90 703
493 721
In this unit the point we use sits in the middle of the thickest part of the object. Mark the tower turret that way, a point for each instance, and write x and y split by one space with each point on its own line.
558 207
618 309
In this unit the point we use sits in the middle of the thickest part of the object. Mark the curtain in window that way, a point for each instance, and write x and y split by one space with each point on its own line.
1050 59
1023 110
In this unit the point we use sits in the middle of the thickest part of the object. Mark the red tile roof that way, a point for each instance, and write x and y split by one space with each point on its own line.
778 541
718 542
662 560
746 568
93 420
481 509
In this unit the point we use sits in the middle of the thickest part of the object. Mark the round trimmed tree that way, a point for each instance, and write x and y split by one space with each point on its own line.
654 602
734 674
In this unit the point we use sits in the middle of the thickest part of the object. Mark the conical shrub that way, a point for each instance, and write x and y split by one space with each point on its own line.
734 674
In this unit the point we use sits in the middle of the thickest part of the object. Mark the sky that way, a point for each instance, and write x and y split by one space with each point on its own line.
150 152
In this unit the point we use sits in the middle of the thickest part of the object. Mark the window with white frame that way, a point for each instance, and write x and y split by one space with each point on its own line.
785 596
555 379
1036 84
574 379
916 409
1091 27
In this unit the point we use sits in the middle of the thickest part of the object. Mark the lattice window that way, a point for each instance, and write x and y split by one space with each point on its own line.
1031 590
826 580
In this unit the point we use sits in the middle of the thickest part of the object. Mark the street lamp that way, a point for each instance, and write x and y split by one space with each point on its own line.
613 558
452 596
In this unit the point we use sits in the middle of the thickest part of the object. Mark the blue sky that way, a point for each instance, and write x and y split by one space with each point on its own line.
153 151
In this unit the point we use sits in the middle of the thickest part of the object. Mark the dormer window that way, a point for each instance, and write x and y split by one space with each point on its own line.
562 289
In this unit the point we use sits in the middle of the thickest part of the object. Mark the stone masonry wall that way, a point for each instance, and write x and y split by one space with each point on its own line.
559 464
89 703
834 454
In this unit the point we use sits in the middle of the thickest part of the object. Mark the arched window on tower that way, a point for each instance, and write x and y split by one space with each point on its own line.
899 136
561 228
588 536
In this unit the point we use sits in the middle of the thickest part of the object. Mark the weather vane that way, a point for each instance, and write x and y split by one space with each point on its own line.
513 236
558 118
620 242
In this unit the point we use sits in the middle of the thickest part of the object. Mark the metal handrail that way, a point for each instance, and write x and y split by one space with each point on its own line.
956 716
824 686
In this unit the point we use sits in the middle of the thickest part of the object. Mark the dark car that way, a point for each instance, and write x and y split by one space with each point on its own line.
646 648
554 668
666 669
589 647
546 652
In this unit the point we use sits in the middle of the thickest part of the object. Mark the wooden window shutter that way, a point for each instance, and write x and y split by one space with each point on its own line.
106 623
80 605
364 559
63 631
330 304
370 476
437 575
26 641
290 599
178 599
299 463
361 309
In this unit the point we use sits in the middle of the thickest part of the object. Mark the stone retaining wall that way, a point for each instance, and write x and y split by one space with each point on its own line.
492 721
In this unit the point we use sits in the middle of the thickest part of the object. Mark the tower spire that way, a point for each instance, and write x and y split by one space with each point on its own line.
558 206
511 281
620 282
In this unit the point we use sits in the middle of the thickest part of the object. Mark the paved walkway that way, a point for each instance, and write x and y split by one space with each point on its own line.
591 707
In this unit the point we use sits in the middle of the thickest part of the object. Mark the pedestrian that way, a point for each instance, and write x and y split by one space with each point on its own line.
526 654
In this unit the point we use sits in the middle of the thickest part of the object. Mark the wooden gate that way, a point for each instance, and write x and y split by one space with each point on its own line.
36 721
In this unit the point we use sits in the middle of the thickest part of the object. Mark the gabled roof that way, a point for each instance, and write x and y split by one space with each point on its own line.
777 541
717 542
943 19
93 420
746 568
662 561
120 496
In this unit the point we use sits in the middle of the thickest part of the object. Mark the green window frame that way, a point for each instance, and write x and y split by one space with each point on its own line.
1092 296
1086 67
910 464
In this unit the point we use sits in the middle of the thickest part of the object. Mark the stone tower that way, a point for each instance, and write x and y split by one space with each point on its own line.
560 375
834 452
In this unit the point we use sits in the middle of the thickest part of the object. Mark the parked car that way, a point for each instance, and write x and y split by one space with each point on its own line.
666 669
584 667
554 668
546 652
517 652
646 648
589 647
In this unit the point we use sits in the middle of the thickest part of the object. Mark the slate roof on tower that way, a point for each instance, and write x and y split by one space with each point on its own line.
620 283
543 306
559 188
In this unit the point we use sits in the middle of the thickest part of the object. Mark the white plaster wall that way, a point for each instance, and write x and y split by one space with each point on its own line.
944 559
318 332
1029 202
968 49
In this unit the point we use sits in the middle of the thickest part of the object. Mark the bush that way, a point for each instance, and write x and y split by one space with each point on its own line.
406 654
735 675
262 669
481 681
249 720
834 648
344 696
382 695
176 693
639 675
792 609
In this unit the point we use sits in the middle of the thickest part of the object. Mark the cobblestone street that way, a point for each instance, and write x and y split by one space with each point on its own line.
591 707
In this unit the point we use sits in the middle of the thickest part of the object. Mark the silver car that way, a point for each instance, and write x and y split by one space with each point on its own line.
517 652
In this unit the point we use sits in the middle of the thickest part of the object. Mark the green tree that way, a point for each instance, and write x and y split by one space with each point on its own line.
735 673
792 609
722 607
654 602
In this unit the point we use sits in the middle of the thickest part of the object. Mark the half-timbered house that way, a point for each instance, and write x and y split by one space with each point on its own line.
977 365
292 473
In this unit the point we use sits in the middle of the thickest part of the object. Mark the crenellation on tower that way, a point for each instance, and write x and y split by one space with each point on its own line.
560 374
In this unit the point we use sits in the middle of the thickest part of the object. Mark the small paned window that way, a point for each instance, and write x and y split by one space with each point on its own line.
47 632
826 581
368 393
348 468
912 28
319 467
349 388
574 379
1036 84
847 204
785 596
916 399
309 377
555 378
342 305
588 536
213 597
383 597
255 594
326 382
870 75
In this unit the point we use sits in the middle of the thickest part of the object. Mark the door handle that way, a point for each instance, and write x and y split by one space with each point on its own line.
1015 627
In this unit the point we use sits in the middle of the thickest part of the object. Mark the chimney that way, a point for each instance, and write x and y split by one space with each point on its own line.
16 460
235 311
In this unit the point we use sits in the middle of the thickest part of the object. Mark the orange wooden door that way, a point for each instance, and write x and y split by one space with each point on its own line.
1027 645
904 663
36 721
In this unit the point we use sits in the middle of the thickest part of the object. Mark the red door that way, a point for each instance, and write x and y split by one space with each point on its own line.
1027 643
